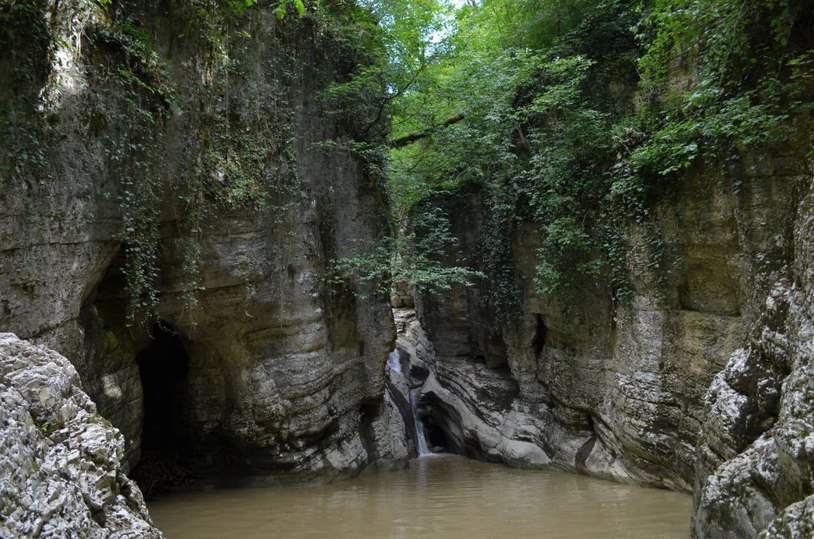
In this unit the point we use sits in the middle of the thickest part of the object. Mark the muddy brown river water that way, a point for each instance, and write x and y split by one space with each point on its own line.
437 496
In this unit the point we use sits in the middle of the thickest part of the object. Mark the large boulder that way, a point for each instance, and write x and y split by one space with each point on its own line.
61 463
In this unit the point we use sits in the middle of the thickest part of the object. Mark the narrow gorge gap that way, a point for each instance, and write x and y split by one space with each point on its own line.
538 342
422 433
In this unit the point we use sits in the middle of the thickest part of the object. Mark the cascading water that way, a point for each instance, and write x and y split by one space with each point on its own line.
394 364
420 438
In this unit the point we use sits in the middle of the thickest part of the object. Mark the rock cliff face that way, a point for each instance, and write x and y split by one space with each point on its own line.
128 125
715 343
756 451
61 463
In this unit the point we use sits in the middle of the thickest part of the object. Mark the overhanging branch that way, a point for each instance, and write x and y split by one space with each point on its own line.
414 137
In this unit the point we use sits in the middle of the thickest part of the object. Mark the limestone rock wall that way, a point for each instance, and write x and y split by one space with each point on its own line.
283 375
754 469
625 390
61 463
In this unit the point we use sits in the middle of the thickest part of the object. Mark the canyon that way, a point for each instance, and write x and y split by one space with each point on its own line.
258 363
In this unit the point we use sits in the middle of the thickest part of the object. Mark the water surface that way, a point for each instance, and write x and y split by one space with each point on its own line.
437 496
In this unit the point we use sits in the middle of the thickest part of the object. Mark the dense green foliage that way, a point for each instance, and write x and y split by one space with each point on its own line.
568 116
420 257
572 114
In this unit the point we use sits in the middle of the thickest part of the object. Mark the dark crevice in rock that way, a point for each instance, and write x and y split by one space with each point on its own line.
585 450
97 514
163 367
445 426
538 342
436 438
369 413
430 427
418 372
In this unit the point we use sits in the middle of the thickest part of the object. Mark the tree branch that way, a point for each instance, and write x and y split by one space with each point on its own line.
413 137
394 95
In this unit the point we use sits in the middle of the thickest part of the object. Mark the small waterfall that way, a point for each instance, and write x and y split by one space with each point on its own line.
420 437
393 362
395 367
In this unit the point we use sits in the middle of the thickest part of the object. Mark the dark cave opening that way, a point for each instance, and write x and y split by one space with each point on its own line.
431 425
436 437
163 369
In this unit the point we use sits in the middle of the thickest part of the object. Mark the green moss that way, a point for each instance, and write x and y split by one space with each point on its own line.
110 341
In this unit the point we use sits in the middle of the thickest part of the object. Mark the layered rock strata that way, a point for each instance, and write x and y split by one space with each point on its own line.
754 468
125 112
624 390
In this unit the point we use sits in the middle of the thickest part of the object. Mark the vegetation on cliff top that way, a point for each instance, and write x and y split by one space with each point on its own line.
573 114
569 115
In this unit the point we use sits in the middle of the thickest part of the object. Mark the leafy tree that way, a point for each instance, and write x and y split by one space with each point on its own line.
570 114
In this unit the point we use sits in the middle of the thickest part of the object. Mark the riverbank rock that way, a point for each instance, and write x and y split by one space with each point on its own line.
756 452
61 463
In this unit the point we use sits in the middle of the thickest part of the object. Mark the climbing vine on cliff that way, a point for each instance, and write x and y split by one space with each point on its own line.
719 78
232 167
137 101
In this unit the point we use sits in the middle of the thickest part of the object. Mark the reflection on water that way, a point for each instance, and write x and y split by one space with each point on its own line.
438 496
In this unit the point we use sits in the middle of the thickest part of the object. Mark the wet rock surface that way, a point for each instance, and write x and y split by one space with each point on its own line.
61 463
